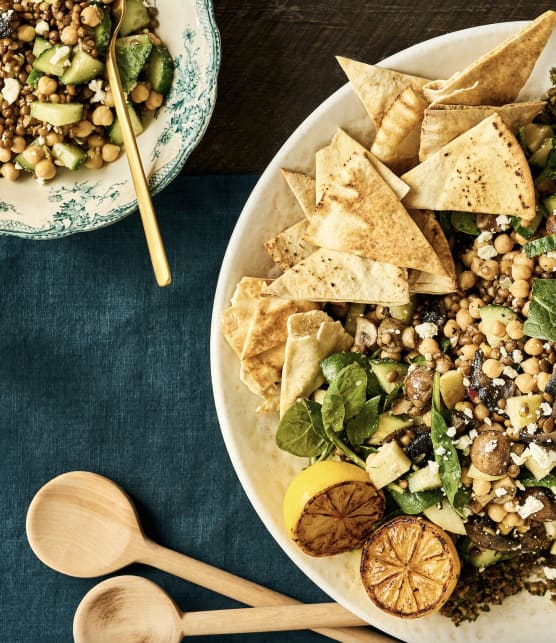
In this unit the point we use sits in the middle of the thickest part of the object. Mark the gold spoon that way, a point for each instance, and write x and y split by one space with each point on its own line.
84 525
144 201
132 608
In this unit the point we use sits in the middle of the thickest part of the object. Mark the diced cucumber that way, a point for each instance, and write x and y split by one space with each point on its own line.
382 368
446 517
465 222
33 77
539 157
534 135
68 155
41 44
159 70
541 245
53 60
136 17
132 52
424 479
83 68
115 132
23 162
387 424
404 312
387 464
355 310
57 114
103 31
492 314
480 558
529 230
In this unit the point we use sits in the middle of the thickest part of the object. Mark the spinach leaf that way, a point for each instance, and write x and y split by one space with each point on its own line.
445 453
333 414
301 431
394 393
332 365
412 503
541 321
527 479
351 385
365 423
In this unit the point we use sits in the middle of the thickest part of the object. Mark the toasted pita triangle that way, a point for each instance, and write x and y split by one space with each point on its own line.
304 190
290 246
335 155
360 214
483 170
497 77
427 284
443 123
397 139
377 87
328 275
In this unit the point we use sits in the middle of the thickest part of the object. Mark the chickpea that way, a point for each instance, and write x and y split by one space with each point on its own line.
498 328
110 152
464 318
503 243
47 86
468 351
103 116
18 144
492 368
428 346
91 16
548 264
451 328
409 337
531 366
69 35
95 141
154 101
520 288
108 99
521 271
522 259
480 412
496 512
481 487
94 159
26 33
466 280
513 520
140 93
33 154
82 129
45 170
514 329
525 382
10 172
489 269
542 380
474 305
533 346
52 138
5 155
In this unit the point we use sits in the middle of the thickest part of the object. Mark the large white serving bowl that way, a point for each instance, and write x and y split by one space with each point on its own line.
264 470
89 199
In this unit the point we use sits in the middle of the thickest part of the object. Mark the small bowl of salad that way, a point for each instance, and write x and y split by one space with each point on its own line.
62 162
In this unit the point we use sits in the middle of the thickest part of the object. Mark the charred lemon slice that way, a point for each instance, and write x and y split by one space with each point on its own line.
409 567
331 507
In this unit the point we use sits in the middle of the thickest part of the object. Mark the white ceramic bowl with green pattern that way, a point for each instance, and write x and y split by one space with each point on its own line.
85 200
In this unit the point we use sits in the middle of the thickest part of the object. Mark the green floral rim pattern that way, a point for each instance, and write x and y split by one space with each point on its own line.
85 204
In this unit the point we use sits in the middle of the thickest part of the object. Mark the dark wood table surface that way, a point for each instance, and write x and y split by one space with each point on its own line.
278 62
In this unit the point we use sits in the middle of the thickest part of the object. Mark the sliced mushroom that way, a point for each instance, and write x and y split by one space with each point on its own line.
390 334
490 452
365 335
418 385
482 531
546 497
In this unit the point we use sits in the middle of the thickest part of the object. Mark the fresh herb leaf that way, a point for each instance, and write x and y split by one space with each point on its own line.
351 385
527 479
412 503
300 430
541 321
365 423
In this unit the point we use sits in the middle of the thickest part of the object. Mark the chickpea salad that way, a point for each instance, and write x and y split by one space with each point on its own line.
56 108
408 339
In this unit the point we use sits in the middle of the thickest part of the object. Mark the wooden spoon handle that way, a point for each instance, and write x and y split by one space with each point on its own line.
270 619
144 201
240 589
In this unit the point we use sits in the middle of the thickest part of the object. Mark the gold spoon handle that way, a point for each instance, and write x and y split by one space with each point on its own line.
243 590
144 201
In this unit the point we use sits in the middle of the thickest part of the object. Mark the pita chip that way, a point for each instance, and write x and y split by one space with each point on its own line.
377 87
360 214
331 276
497 77
482 170
397 139
434 234
335 155
312 336
427 284
268 327
262 375
304 190
290 246
236 319
443 123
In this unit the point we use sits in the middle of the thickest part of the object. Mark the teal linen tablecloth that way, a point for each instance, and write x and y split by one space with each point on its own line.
101 370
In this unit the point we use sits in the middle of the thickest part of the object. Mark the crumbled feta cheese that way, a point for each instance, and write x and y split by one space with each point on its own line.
433 466
510 372
42 28
520 485
473 434
61 55
487 252
468 412
466 382
440 450
463 443
499 492
549 572
529 507
546 408
488 421
11 89
451 431
503 221
485 236
498 381
98 93
426 330
542 456
490 446
532 428
503 351
517 356
519 459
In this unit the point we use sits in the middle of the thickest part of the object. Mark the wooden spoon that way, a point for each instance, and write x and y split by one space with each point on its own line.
84 525
144 201
134 609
